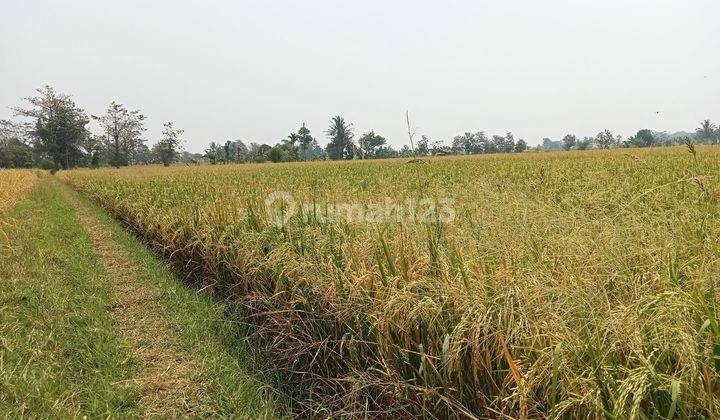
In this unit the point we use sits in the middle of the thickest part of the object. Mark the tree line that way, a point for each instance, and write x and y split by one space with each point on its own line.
706 133
302 146
342 145
54 135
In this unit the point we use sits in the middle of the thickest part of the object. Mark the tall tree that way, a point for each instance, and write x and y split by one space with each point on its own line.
258 152
643 138
170 143
240 151
498 144
370 143
94 147
142 155
341 144
305 141
604 139
520 146
436 146
213 153
423 146
123 129
471 143
706 132
405 151
569 141
585 143
508 143
14 151
550 145
227 149
15 148
295 147
463 144
59 127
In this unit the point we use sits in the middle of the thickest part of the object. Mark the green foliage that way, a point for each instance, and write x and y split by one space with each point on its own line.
58 128
470 143
569 141
370 144
213 153
643 138
61 355
122 131
477 143
604 139
168 146
423 146
341 145
548 145
15 154
707 133
307 144
282 153
585 144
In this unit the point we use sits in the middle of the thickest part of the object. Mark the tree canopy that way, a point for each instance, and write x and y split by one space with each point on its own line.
341 135
59 126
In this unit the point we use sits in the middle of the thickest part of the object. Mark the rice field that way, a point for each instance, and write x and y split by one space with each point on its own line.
14 183
574 284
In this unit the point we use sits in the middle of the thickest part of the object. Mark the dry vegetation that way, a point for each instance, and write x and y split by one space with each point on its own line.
570 284
14 183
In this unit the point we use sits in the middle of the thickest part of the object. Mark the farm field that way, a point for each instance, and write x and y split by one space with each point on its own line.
13 186
92 325
575 284
434 211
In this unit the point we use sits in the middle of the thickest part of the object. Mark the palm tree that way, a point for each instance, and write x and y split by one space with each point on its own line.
341 144
706 132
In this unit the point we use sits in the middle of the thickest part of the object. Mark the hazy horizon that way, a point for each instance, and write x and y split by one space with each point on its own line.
257 71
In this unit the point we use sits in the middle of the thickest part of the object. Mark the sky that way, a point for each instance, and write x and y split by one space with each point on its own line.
256 71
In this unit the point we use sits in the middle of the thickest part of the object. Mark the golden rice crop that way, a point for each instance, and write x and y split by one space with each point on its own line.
577 284
14 183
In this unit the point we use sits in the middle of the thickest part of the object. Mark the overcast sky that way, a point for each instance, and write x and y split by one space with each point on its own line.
257 70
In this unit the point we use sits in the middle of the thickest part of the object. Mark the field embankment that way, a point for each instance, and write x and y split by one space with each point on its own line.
91 324
569 284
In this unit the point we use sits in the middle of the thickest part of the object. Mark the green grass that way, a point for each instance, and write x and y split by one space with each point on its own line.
61 355
203 330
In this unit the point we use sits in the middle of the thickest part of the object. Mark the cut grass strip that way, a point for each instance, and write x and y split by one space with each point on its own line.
60 355
91 324
193 361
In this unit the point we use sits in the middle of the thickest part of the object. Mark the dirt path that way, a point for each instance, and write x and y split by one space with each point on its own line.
168 380
180 340
94 325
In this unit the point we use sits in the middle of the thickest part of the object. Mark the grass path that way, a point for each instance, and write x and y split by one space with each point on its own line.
91 323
